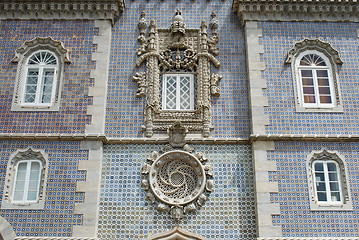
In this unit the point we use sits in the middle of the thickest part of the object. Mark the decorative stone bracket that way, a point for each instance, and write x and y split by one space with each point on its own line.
177 50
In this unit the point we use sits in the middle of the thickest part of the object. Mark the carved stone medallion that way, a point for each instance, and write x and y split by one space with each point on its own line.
177 181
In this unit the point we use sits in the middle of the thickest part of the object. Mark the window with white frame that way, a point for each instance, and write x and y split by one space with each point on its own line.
25 180
178 92
39 87
315 80
328 181
39 75
315 76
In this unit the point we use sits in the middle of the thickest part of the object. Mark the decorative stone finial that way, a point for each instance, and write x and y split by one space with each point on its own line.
178 25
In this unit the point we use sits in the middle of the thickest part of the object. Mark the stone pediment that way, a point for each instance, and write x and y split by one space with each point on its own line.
176 234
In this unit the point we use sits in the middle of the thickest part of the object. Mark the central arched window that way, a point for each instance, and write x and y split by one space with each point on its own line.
41 70
315 80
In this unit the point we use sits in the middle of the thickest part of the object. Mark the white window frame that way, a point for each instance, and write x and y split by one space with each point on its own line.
27 182
22 56
327 182
27 155
40 78
178 91
326 156
314 69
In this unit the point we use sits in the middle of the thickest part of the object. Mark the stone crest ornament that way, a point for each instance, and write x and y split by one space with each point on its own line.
177 84
177 180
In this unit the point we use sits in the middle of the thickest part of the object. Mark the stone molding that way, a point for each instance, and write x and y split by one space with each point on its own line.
176 234
6 230
256 83
295 10
177 50
193 140
265 208
61 10
100 78
91 190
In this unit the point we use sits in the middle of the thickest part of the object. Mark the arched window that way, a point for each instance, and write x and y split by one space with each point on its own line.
327 180
315 76
315 80
41 71
25 181
39 74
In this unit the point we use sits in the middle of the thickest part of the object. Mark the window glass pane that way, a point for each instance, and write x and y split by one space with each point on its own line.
308 90
185 96
306 73
307 81
20 185
309 99
321 186
33 185
323 81
333 177
332 167
319 177
324 90
325 99
18 196
31 196
322 73
170 92
335 196
334 186
318 167
322 196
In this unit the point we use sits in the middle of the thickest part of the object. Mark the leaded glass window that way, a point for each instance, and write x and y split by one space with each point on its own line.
178 92
39 89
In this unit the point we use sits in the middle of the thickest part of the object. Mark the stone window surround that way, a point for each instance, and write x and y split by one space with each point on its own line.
177 50
22 55
20 155
335 156
324 49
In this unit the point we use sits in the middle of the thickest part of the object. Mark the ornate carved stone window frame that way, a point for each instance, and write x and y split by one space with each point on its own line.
21 57
177 50
325 155
21 155
325 49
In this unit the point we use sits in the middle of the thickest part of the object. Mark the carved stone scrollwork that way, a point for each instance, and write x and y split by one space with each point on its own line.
178 181
177 50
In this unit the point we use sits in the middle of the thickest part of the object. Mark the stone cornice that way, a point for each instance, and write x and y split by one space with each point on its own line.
61 10
191 140
297 10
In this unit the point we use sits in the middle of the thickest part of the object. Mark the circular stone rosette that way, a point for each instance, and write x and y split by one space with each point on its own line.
177 181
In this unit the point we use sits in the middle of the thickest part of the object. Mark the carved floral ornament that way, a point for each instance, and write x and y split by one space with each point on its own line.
177 50
177 180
